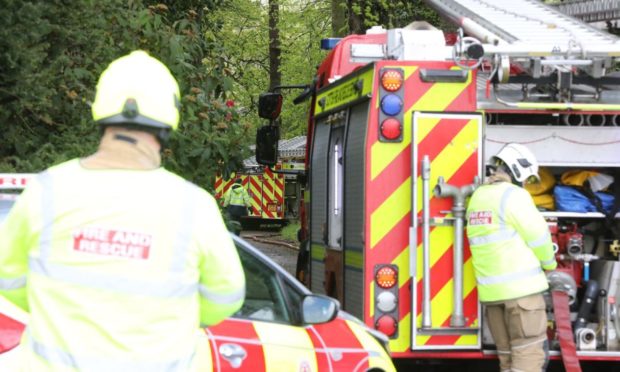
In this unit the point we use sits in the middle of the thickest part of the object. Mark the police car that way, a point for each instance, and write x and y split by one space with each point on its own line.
282 326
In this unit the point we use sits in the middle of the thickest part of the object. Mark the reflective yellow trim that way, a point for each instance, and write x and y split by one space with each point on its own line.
378 358
317 251
441 95
402 343
203 360
371 305
566 106
354 259
442 238
402 262
285 348
382 154
344 92
392 210
462 146
425 125
409 70
469 284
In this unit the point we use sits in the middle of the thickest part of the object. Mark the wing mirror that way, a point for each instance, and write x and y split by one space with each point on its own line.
317 309
269 105
267 145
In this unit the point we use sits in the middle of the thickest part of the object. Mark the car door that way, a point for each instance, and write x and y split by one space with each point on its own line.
263 335
269 333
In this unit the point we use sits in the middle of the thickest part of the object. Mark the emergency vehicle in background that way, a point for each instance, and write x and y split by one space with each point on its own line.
274 191
266 190
401 124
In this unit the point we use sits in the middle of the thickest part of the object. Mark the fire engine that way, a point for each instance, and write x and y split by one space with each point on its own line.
266 190
401 124
274 190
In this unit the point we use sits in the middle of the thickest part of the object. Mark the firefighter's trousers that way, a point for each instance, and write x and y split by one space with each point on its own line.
519 328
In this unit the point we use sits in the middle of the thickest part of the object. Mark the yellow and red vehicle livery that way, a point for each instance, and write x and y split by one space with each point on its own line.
340 345
266 191
438 120
395 145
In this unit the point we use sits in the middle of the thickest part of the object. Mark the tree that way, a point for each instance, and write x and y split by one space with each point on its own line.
339 26
274 45
54 51
244 36
364 14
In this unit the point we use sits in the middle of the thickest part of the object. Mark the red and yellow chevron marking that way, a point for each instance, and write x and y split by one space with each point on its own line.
266 191
339 345
452 146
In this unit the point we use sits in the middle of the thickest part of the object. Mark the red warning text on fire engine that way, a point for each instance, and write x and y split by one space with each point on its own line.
117 243
481 218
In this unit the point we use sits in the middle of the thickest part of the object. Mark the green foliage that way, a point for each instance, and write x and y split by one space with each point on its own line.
54 51
289 232
391 14
244 37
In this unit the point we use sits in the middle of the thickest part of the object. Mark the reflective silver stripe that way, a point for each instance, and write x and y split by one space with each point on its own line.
47 213
14 283
229 298
56 356
529 343
540 241
548 262
184 235
168 288
504 232
503 203
511 277
498 236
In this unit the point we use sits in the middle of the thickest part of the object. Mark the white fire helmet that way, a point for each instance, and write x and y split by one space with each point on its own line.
521 162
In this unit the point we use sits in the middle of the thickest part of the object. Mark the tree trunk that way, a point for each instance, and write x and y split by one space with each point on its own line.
339 25
356 21
274 45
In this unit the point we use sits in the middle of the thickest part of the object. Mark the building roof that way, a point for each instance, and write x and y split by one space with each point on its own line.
288 149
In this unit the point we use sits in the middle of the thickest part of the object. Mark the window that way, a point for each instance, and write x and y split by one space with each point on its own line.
336 180
264 298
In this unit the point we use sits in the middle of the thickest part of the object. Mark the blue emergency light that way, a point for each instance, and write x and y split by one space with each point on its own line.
329 43
391 104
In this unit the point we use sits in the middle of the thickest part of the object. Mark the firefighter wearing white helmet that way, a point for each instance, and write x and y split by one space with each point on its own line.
511 249
117 260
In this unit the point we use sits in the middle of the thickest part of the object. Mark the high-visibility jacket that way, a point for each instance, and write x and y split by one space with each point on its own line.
118 268
510 242
237 195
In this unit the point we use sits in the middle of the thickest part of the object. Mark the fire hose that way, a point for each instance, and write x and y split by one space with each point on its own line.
562 287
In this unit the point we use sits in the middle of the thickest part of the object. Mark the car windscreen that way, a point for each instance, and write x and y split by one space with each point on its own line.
5 207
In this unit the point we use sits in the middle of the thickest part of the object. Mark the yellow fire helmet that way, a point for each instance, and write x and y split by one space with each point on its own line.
137 89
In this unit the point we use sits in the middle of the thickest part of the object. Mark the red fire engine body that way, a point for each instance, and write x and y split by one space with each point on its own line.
401 125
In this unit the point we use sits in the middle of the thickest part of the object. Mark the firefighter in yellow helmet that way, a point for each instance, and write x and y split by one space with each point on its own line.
119 261
511 248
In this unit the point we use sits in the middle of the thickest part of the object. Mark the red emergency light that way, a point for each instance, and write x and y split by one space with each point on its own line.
387 325
391 129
